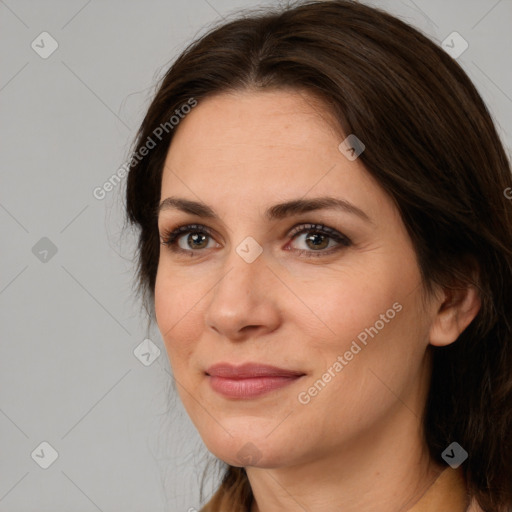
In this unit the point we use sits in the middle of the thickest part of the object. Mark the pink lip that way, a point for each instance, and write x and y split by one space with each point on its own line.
249 380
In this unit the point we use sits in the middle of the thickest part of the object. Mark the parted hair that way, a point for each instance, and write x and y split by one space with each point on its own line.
431 144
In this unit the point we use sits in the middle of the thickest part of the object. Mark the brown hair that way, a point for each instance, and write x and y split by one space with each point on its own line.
432 146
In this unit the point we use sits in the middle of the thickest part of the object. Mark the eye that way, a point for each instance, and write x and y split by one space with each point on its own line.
196 239
319 237
193 238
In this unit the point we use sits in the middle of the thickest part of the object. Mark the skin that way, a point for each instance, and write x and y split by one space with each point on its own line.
358 442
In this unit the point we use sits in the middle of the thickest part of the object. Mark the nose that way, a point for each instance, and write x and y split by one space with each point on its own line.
244 303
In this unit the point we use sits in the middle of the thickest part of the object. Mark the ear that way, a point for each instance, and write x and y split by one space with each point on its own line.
458 309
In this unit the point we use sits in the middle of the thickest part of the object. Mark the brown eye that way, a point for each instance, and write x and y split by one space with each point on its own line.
317 239
196 238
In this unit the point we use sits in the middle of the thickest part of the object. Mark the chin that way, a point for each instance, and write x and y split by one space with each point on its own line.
256 451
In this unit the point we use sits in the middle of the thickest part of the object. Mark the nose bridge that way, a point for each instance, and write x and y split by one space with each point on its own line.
240 298
243 267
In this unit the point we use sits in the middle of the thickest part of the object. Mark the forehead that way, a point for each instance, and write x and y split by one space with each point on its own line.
250 147
269 123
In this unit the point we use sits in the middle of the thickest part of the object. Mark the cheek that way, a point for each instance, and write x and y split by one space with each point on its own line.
373 321
356 383
341 305
178 318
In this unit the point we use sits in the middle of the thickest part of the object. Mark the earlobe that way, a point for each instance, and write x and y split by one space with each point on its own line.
457 311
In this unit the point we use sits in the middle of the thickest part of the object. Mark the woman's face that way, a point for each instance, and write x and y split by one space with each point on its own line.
256 283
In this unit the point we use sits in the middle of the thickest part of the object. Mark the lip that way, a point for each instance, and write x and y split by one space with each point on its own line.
249 370
249 380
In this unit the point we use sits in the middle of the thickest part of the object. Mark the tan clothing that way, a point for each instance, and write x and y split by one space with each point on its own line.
447 494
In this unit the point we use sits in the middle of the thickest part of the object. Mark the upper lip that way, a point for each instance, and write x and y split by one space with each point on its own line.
248 370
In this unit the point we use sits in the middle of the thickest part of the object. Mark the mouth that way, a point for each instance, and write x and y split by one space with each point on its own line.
249 380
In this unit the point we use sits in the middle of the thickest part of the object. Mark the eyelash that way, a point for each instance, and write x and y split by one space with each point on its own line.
169 238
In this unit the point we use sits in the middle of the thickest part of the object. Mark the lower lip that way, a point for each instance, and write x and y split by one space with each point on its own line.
250 387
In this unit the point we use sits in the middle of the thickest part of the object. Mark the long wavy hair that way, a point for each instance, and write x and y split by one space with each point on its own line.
431 145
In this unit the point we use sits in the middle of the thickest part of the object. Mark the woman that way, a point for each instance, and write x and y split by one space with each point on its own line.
325 244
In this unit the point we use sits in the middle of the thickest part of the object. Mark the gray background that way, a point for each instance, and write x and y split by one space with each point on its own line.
69 323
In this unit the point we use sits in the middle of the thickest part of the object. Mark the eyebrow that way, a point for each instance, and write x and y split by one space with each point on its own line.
275 212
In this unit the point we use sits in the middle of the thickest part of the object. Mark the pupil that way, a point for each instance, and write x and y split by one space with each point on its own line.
196 238
316 239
